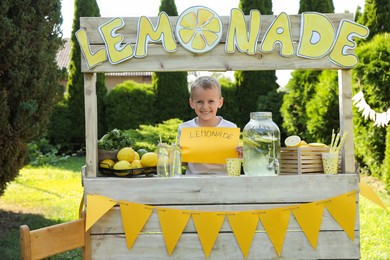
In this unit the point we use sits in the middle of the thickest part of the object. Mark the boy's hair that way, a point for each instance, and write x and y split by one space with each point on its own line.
206 82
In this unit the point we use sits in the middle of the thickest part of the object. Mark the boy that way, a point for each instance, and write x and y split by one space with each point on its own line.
206 98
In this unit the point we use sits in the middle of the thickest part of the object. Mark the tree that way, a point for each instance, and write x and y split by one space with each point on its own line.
323 108
372 77
29 40
83 8
253 84
171 88
301 88
316 6
376 17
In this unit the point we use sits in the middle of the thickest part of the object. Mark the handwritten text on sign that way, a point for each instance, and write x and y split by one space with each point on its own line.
209 144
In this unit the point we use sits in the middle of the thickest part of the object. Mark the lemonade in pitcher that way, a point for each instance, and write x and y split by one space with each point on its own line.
261 141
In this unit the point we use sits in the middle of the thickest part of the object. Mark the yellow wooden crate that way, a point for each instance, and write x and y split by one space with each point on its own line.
302 160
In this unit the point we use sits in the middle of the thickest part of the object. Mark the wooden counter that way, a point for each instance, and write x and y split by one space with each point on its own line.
222 194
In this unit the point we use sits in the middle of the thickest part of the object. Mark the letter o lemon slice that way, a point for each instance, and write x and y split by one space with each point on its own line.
292 141
199 29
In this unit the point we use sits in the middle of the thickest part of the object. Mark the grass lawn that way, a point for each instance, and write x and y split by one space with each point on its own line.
43 196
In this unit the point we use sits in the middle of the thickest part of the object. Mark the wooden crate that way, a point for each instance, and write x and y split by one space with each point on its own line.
302 160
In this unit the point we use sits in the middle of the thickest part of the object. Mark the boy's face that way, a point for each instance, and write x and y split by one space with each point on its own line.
206 102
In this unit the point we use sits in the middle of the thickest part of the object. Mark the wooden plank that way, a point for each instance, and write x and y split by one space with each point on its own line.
130 28
215 60
57 239
111 222
331 245
223 189
346 123
91 135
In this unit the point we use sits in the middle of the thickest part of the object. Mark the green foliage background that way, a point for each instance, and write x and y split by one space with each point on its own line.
76 134
29 76
372 76
129 105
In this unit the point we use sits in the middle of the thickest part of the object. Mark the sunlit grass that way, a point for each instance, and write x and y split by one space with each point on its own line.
375 225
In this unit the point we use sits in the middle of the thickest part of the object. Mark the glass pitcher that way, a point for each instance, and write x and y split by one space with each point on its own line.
261 142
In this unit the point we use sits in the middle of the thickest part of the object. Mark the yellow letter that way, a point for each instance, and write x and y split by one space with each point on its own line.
93 59
344 42
162 32
238 35
113 41
317 34
279 32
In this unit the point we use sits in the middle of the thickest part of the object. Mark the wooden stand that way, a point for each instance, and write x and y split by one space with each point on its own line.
216 193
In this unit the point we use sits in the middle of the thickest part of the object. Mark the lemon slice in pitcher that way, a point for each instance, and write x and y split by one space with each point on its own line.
292 141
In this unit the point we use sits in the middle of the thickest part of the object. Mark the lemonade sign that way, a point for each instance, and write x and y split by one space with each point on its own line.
200 29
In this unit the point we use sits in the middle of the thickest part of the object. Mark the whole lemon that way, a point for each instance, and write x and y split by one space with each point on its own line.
126 153
122 165
107 163
136 164
149 159
136 156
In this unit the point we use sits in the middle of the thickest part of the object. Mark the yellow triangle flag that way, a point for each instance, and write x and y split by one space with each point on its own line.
369 193
134 217
172 222
275 222
97 206
309 218
343 210
207 225
244 225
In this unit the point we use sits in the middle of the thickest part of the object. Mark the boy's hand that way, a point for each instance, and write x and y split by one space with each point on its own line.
240 151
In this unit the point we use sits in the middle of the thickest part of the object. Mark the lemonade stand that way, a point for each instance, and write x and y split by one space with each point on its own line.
305 216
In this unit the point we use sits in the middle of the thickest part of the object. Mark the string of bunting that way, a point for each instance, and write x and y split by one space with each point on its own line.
243 223
380 119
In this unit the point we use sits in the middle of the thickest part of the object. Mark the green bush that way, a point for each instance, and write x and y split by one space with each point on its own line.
129 105
148 136
386 163
373 75
59 126
41 152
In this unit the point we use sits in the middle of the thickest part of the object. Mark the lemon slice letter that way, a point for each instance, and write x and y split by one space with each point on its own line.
199 29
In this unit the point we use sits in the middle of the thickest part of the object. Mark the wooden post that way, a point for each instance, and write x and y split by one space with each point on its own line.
346 123
90 124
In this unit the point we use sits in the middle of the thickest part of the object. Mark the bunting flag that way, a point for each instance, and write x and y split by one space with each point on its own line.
134 217
309 218
275 222
243 225
343 210
208 225
380 119
97 206
172 222
369 193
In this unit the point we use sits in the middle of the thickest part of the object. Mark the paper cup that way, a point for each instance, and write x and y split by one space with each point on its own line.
233 166
330 162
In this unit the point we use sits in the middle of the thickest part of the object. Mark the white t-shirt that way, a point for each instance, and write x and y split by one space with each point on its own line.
205 168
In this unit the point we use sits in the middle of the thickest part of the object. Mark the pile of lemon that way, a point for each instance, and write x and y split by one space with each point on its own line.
128 158
294 141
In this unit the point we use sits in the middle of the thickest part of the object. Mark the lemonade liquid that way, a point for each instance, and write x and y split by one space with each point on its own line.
261 142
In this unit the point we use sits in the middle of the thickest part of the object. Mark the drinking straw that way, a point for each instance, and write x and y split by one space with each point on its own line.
341 142
333 136
333 148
